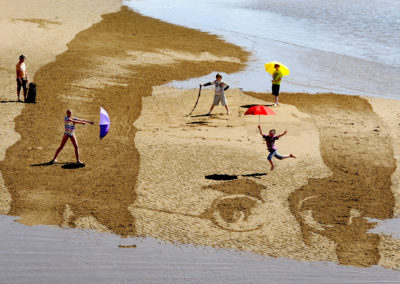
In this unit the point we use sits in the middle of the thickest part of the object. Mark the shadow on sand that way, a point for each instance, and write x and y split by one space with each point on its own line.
6 102
251 105
67 166
202 115
232 177
44 164
70 166
198 123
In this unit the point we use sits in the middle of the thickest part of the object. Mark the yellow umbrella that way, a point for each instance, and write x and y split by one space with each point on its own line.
269 67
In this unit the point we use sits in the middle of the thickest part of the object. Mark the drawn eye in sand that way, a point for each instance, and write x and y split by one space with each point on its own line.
240 209
236 213
341 220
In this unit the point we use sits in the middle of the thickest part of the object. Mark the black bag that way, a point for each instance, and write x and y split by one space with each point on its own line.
31 98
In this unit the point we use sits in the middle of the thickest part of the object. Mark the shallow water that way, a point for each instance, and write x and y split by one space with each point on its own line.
340 46
388 226
43 254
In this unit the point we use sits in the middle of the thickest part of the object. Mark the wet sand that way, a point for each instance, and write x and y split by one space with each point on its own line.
113 64
201 180
40 30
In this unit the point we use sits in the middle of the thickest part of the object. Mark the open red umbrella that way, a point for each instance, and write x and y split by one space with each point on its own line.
259 110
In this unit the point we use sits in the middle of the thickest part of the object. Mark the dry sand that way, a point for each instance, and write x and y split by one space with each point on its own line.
250 212
159 172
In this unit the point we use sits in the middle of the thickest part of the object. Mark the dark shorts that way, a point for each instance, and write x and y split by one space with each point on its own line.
23 85
275 90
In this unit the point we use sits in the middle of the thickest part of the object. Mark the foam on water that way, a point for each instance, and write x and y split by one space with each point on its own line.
341 46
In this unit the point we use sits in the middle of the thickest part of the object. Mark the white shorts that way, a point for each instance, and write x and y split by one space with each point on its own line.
219 98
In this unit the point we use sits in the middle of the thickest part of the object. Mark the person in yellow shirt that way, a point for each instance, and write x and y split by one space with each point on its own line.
276 83
22 77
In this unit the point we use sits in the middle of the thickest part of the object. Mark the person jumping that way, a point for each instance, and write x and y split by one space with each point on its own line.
220 87
69 132
273 150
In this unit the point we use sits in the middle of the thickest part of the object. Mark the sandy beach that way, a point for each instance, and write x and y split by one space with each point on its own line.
188 180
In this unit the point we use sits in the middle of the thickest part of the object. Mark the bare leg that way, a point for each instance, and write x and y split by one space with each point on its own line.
63 141
290 156
227 110
272 165
75 143
276 101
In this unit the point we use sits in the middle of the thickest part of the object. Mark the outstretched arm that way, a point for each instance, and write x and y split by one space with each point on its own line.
259 128
87 121
206 84
80 121
280 135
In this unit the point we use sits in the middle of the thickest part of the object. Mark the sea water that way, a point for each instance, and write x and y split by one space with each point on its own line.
340 46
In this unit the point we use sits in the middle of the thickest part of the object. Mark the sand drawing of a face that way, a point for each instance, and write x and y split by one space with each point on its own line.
249 210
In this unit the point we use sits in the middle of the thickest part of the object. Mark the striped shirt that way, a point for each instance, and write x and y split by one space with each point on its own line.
69 125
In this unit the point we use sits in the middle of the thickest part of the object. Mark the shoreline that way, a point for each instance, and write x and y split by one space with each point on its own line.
161 191
313 69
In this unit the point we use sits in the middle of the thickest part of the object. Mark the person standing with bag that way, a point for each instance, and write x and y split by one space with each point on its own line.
22 77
